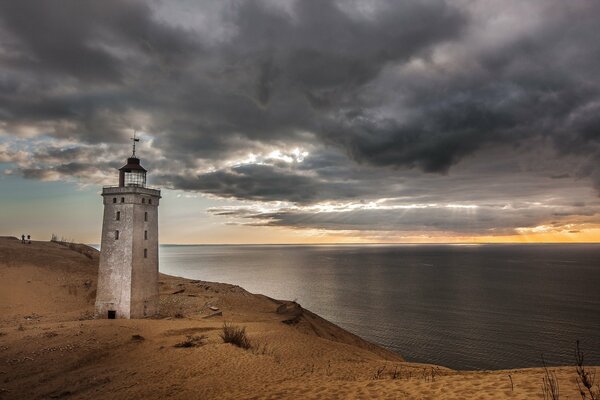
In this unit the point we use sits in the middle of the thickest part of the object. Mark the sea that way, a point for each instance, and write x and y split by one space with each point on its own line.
467 307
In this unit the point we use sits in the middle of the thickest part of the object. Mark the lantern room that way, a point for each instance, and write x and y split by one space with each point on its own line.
132 174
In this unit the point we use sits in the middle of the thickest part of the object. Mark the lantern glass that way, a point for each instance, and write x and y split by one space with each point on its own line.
135 178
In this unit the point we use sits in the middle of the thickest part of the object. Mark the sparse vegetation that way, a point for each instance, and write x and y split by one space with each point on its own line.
235 335
62 241
379 373
192 341
261 348
79 248
137 338
588 389
400 372
550 386
585 378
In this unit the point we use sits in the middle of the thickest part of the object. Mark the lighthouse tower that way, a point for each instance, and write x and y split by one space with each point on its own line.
128 273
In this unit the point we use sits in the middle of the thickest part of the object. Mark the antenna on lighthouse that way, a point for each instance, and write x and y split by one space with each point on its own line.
134 139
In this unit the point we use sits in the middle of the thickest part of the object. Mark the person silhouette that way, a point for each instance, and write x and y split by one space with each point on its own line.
22 238
28 239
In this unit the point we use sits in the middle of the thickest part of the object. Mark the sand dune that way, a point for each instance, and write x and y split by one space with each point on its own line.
50 347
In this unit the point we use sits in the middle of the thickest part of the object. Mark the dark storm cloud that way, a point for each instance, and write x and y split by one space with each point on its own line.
252 182
71 38
269 81
377 91
262 182
70 67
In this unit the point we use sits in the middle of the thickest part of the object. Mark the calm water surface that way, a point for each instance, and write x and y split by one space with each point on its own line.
465 307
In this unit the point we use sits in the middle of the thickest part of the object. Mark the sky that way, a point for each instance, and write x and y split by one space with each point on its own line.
306 121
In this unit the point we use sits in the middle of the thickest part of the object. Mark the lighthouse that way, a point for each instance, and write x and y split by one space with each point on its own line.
128 272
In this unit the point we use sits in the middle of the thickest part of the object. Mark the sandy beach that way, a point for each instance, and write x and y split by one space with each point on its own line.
52 347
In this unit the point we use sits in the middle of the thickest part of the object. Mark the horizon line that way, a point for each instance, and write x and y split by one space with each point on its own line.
359 243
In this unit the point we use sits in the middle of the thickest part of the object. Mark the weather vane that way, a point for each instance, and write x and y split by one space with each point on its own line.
134 139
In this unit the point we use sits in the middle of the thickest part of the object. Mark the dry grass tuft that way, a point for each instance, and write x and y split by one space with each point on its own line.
192 341
550 386
235 335
585 378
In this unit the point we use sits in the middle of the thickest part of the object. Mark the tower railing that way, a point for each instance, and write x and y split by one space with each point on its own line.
132 188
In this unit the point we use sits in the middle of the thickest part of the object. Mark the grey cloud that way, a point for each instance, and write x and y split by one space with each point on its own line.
256 84
378 95
252 182
265 183
486 220
73 38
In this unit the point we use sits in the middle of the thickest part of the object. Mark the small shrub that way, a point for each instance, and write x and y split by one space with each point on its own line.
137 338
235 335
192 341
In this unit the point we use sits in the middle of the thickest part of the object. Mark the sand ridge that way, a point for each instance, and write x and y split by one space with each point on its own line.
51 347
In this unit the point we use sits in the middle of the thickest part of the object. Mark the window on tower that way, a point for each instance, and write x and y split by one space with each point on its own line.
145 235
146 216
118 215
145 253
114 199
117 235
149 201
143 201
122 199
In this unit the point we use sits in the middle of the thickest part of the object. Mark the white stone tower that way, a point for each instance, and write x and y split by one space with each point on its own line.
128 273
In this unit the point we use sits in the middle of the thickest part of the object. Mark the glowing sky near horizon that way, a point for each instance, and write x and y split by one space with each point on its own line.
306 121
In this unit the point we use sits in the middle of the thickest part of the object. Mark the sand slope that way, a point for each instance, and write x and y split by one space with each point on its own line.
51 348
